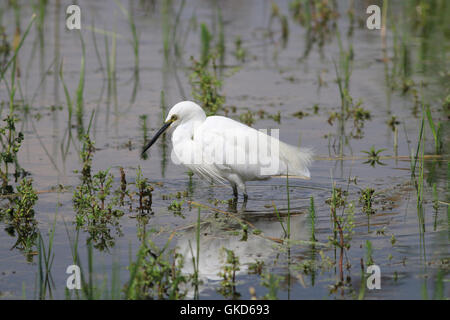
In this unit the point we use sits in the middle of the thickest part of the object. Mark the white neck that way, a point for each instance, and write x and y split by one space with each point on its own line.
185 130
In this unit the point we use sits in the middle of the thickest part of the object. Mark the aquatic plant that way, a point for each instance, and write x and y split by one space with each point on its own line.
276 15
366 199
228 273
343 226
374 156
435 130
206 85
145 192
80 89
280 220
240 53
175 206
312 218
256 267
247 118
5 47
156 274
95 209
196 282
46 257
11 141
369 251
135 41
19 217
272 283
318 17
221 44
206 38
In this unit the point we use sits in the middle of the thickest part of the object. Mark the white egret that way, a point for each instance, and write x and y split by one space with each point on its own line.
222 149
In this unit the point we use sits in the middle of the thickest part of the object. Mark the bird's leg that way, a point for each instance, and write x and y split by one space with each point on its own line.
235 192
244 205
244 188
233 204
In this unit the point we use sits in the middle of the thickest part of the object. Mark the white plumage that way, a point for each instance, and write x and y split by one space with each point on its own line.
225 150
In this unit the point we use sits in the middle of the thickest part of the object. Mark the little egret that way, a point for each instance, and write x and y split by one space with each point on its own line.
221 149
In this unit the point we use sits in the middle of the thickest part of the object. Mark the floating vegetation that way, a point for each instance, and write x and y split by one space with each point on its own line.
374 156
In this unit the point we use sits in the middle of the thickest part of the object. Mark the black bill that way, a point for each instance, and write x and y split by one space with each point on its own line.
156 136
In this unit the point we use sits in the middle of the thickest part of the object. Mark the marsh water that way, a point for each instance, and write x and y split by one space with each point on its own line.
285 81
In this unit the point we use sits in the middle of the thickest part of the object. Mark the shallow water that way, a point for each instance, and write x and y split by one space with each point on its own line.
272 79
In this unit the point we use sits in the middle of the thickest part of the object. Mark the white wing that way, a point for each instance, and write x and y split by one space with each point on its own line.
230 147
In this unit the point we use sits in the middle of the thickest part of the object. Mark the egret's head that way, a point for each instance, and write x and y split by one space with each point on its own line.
184 111
180 113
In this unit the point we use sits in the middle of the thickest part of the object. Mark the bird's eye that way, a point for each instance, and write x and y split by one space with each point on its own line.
174 117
